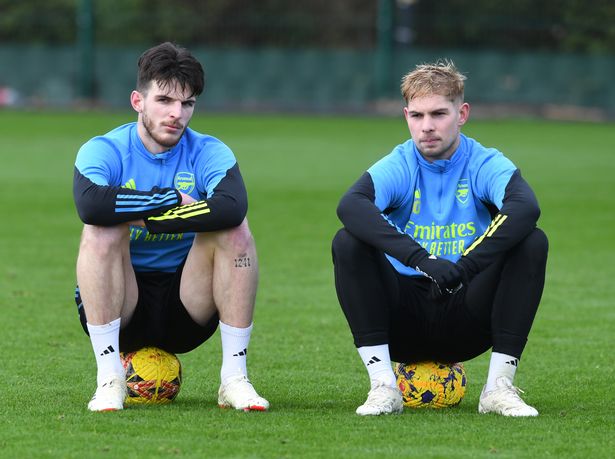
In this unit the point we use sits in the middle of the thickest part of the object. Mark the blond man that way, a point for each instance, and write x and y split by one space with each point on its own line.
439 257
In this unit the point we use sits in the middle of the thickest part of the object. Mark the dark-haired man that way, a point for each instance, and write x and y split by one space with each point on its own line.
166 254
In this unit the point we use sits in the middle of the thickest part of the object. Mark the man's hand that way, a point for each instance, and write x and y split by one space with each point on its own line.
186 199
467 274
444 274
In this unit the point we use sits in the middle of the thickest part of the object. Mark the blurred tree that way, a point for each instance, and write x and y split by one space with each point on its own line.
588 27
49 21
563 25
320 23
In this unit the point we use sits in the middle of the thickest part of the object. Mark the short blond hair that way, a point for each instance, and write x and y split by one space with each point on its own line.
440 78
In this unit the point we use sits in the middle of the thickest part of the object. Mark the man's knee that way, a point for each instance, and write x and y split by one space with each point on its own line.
343 243
535 246
236 239
240 237
349 250
104 238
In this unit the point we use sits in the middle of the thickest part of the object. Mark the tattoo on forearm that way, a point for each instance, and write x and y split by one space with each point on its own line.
242 261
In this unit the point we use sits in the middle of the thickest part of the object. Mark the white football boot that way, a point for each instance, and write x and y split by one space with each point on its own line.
382 399
110 395
505 400
238 393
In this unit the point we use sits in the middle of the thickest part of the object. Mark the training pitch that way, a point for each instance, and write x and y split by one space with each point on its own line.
301 354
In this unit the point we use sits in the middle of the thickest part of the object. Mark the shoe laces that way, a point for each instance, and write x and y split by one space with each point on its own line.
512 393
241 382
379 395
238 379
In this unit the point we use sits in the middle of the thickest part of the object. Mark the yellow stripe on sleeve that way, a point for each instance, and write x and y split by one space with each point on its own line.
493 226
497 225
183 212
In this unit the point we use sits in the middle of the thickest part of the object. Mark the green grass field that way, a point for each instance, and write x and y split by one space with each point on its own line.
301 355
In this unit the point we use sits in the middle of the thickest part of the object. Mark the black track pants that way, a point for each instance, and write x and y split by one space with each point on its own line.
495 311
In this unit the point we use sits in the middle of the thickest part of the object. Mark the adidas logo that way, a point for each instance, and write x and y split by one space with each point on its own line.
373 359
109 350
130 184
241 353
513 362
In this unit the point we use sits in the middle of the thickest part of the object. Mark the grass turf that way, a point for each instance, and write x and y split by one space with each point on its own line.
301 355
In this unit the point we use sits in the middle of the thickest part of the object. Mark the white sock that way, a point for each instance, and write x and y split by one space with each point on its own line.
234 350
377 361
106 345
501 365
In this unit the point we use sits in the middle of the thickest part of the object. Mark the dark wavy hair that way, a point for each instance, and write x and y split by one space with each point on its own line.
168 63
